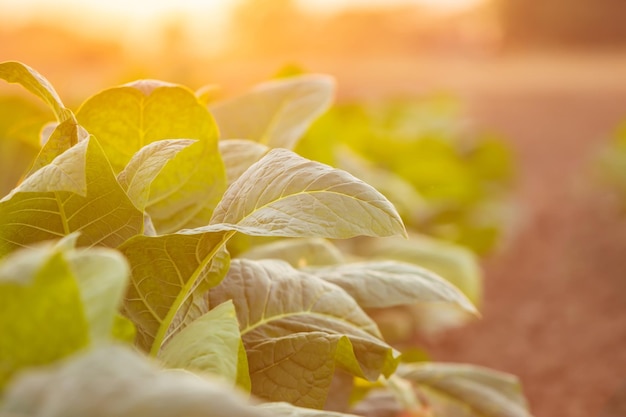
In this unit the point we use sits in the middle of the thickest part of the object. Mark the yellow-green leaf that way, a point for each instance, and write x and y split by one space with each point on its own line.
65 135
467 390
452 262
16 72
209 344
168 273
187 189
296 327
41 311
298 252
127 118
239 155
390 283
116 381
275 113
286 195
136 178
77 192
102 275
21 120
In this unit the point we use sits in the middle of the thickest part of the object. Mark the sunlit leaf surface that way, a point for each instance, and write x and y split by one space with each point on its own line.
127 118
77 192
276 113
284 194
296 327
119 382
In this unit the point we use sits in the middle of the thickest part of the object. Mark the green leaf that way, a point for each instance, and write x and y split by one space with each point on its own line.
16 72
276 113
41 310
168 274
452 262
123 330
119 382
209 344
467 390
188 188
76 192
127 118
289 410
21 120
389 283
296 327
286 195
239 155
298 252
65 135
145 166
102 275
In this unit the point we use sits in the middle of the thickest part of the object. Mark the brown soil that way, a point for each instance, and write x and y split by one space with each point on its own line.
555 305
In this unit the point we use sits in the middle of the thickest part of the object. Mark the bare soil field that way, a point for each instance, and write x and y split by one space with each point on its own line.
555 303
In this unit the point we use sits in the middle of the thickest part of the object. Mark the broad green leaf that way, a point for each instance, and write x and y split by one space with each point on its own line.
77 192
209 344
188 188
102 275
276 113
296 328
16 72
452 262
119 382
65 135
21 120
144 167
239 155
389 283
41 311
127 118
298 252
281 409
467 390
286 195
168 274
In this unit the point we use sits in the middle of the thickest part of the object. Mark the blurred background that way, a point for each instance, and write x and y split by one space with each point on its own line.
547 79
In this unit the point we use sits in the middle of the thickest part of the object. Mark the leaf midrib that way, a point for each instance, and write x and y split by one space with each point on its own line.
329 317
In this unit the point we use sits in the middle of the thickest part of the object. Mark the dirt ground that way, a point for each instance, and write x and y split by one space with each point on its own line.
555 304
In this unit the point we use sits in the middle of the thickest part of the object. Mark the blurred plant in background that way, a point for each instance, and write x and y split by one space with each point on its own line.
446 181
611 167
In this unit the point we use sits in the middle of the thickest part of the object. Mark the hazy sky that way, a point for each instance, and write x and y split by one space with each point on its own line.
134 20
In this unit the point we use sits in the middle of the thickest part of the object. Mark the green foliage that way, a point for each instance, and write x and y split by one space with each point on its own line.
416 153
121 228
611 166
56 300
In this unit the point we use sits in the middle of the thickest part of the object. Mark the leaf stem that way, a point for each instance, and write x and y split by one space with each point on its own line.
183 294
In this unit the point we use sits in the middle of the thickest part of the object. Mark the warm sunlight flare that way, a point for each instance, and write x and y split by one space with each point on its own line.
137 21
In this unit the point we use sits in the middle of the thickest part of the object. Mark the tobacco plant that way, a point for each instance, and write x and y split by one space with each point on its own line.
446 179
117 235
